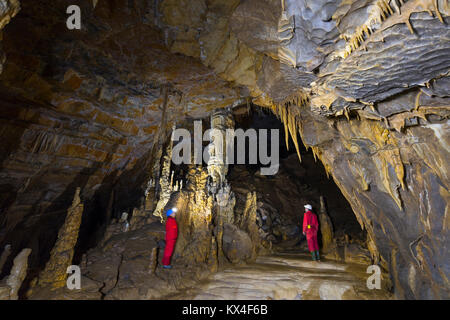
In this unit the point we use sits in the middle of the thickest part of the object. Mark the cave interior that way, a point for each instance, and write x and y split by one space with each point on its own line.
357 90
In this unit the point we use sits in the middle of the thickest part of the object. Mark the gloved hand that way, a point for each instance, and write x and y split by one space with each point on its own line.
304 233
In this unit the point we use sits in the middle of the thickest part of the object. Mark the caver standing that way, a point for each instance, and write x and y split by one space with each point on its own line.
171 237
310 229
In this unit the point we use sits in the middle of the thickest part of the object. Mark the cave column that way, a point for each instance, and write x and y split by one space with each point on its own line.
165 182
218 186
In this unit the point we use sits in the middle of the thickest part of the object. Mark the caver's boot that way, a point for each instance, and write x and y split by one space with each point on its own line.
313 254
317 255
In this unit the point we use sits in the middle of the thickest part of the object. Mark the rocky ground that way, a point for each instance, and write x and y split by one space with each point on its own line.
281 198
121 269
291 276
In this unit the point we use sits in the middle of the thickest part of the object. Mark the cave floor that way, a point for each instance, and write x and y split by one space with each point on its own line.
286 275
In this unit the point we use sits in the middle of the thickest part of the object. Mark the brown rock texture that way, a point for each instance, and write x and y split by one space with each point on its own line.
8 9
10 286
362 83
325 226
55 272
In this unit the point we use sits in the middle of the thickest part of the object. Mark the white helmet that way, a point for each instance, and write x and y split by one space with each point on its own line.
308 206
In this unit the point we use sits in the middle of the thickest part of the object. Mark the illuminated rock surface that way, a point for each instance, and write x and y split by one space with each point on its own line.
363 84
286 276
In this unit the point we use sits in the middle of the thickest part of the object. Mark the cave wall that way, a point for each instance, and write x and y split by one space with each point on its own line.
364 82
376 115
84 108
408 224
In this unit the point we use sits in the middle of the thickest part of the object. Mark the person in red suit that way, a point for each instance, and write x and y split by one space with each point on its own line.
171 237
310 229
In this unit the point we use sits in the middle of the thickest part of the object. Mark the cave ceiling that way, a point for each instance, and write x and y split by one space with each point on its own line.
364 82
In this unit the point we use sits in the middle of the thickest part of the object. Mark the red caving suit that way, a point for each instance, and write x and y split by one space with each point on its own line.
171 239
311 233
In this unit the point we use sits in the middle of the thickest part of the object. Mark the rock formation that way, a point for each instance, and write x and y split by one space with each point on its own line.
165 184
325 226
10 286
8 9
363 84
195 217
55 272
153 260
248 221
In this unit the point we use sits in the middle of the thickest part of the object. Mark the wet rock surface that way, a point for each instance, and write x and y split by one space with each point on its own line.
289 276
363 83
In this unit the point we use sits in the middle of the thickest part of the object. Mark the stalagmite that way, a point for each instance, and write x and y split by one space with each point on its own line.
149 196
165 183
226 202
153 260
365 83
326 227
124 221
248 221
213 260
18 273
10 286
221 120
55 272
195 216
171 181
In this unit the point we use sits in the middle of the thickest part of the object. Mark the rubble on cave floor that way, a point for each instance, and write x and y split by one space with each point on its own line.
121 268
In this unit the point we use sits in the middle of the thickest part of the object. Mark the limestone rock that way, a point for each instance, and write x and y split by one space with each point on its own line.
4 292
17 274
55 272
326 227
364 83
354 253
237 244
8 9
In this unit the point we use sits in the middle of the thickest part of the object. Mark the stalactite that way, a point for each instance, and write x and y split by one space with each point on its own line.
282 110
386 8
286 133
293 130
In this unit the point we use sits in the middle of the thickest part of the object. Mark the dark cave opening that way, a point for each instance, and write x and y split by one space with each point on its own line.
307 181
